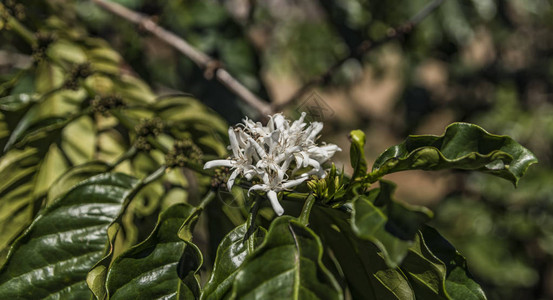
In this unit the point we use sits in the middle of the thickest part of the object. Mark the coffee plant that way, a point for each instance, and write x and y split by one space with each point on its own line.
110 191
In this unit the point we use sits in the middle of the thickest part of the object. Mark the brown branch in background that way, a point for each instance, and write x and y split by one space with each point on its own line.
209 65
363 48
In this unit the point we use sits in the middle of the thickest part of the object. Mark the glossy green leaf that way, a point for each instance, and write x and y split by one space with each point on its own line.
151 269
357 154
231 253
286 266
462 146
390 225
459 283
53 256
74 176
426 273
366 273
96 277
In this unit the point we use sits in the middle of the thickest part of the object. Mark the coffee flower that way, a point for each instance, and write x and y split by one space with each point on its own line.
282 154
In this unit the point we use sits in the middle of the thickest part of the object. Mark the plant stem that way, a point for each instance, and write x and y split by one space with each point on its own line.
306 210
211 67
127 155
206 200
155 175
198 169
17 27
185 231
152 140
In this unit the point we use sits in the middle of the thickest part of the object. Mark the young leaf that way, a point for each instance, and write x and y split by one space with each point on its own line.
151 269
53 256
390 225
357 154
462 146
232 252
286 266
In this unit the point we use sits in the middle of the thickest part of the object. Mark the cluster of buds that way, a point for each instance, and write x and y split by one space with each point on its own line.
12 8
282 154
183 151
80 71
219 178
43 41
104 104
147 128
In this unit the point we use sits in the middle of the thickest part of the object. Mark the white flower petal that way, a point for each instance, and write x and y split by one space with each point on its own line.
292 183
315 164
231 179
219 163
274 203
233 142
258 187
258 148
317 127
279 121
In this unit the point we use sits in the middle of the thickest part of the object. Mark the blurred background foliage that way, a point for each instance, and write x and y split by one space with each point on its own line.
482 61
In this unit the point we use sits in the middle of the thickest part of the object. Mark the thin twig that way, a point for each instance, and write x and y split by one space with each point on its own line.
363 48
209 65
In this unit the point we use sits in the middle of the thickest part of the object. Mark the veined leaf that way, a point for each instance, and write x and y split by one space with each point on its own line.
459 283
390 225
462 146
17 170
152 269
96 277
53 256
232 252
366 273
286 266
74 176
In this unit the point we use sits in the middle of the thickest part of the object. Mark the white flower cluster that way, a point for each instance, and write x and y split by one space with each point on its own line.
268 152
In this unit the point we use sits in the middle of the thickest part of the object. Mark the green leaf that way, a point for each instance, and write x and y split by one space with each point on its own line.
186 116
151 269
459 283
15 102
232 252
366 273
24 123
462 146
390 225
357 154
96 277
53 256
17 170
74 176
286 266
426 273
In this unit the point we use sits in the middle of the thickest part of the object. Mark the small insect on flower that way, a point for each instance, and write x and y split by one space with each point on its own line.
282 154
